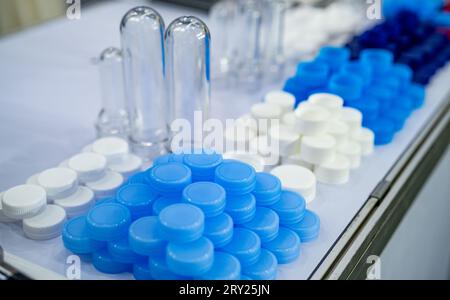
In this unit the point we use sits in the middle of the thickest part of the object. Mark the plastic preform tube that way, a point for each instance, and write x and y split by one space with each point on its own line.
219 230
308 229
89 166
311 119
141 271
145 237
347 86
242 209
169 179
266 111
290 208
23 201
352 151
45 225
163 202
107 185
181 223
225 267
190 259
128 166
3 218
138 198
380 60
137 178
267 189
245 246
313 74
285 247
160 271
78 203
254 160
283 99
297 179
335 57
112 148
317 149
202 165
108 222
366 139
235 177
287 139
297 160
352 117
58 182
208 196
336 171
333 103
76 237
339 130
121 251
384 131
265 224
265 268
104 263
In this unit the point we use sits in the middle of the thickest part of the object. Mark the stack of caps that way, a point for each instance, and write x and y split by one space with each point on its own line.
194 216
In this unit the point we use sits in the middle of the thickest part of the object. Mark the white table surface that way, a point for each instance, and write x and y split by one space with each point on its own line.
50 97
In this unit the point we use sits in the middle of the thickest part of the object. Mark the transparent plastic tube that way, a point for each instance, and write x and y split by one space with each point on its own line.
188 78
113 118
142 33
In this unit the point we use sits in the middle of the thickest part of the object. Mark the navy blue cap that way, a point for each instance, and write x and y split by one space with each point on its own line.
105 201
307 229
225 267
265 268
384 130
138 198
335 57
169 179
245 245
145 237
137 178
203 165
313 74
76 237
237 178
291 207
219 229
104 263
242 209
381 60
347 86
208 196
181 223
267 189
397 116
160 271
361 69
286 246
163 202
190 259
265 224
141 271
108 222
121 251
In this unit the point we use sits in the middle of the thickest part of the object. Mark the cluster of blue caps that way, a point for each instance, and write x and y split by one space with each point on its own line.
428 11
195 216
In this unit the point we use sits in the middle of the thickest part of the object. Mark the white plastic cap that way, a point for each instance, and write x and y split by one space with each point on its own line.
23 201
113 148
352 117
312 119
297 179
107 185
266 111
3 218
130 165
336 171
284 100
33 179
366 139
289 119
287 139
264 147
46 225
339 130
331 102
351 150
296 160
58 182
78 203
254 160
89 166
317 149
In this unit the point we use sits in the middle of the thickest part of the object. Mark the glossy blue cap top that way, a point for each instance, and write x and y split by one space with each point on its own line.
138 198
286 246
108 222
235 177
265 268
267 189
245 245
219 230
291 207
169 179
76 237
307 229
241 208
265 224
162 202
335 57
208 196
203 165
181 223
225 267
145 237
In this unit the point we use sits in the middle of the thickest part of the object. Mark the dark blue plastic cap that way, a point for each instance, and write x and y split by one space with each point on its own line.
76 237
208 196
267 189
235 177
291 207
265 268
169 179
335 57
219 230
225 267
160 271
104 263
121 251
202 165
145 237
402 72
108 222
347 86
307 229
381 60
141 271
384 130
286 246
265 224
138 198
245 245
241 208
163 202
313 74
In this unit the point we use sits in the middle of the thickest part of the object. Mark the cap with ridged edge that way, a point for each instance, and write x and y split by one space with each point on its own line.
24 201
108 222
181 223
160 271
219 229
241 208
265 268
138 198
76 237
286 246
58 182
46 225
307 229
78 203
225 267
267 189
265 224
141 271
235 177
245 245
145 237
291 207
169 179
202 165
163 202
121 251
104 263
208 196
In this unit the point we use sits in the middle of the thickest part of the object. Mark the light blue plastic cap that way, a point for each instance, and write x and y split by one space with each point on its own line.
219 229
225 267
291 207
203 165
348 86
208 196
160 271
169 179
104 263
267 189
182 223
265 224
384 130
265 268
242 209
145 237
138 198
245 245
308 229
335 57
141 271
121 251
313 74
105 201
108 222
379 59
235 177
76 237
360 69
163 202
285 247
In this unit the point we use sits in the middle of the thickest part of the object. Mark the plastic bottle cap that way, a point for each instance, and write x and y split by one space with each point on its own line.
339 130
380 60
245 245
162 202
23 201
289 119
283 99
267 189
256 161
108 222
190 259
352 151
359 68
89 166
312 74
87 148
104 263
121 251
203 165
145 236
160 271
182 222
169 179
58 182
219 229
128 166
308 229
141 271
336 171
242 209
297 179
297 160
78 203
286 137
285 247
262 146
3 218
208 196
76 237
366 139
347 86
290 208
107 185
235 177
265 268
352 117
105 201
333 103
370 108
46 225
335 57
265 224
311 119
266 111
397 116
33 179
317 149
113 148
138 198
384 131
225 267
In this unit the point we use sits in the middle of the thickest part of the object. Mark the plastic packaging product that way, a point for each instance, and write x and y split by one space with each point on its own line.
76 237
297 160
108 222
145 237
289 119
352 117
290 208
202 165
104 263
317 149
313 74
58 182
266 149
347 86
105 201
287 139
366 139
308 229
225 267
358 68
45 225
334 57
283 99
128 166
297 179
245 246
160 271
379 59
242 209
397 116
169 179
183 229
208 196
285 247
369 107
190 259
333 103
112 148
141 271
3 218
380 94
107 185
311 119
339 130
162 202
265 268
219 230
89 166
384 131
352 151
265 111
23 201
256 161
243 277
265 224
138 198
121 251
336 171
267 189
235 177
78 203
